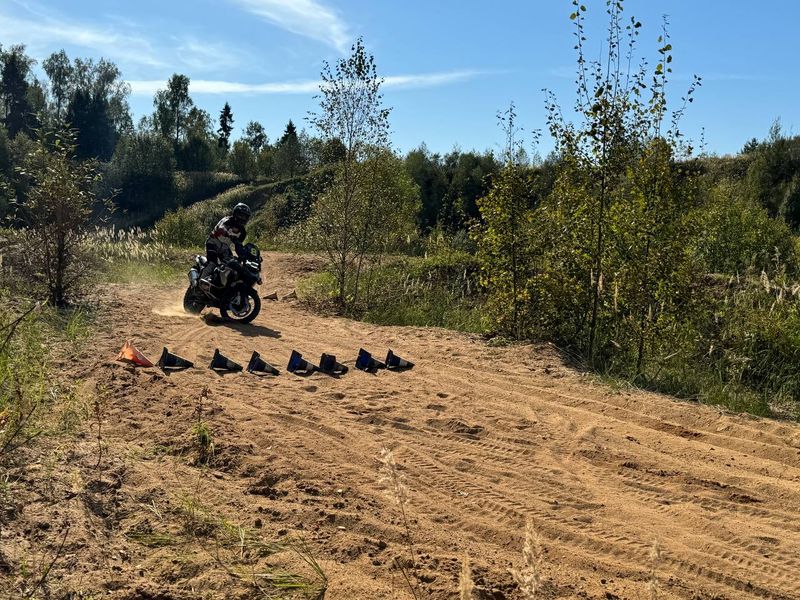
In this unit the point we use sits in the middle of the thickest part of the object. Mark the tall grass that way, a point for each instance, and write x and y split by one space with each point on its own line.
24 376
440 290
529 576
129 255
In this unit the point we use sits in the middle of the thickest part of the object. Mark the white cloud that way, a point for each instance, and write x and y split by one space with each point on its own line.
44 34
208 86
207 56
308 18
43 31
429 79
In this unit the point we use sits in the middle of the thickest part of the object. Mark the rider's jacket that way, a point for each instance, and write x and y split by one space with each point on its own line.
228 235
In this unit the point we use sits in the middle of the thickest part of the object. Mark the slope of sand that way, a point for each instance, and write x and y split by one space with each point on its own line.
486 439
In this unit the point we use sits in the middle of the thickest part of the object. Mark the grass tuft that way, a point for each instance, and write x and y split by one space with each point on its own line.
529 578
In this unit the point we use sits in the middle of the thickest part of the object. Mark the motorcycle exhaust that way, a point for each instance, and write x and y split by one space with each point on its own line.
193 277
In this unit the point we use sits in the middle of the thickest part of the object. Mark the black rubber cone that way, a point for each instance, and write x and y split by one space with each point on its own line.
172 361
395 363
298 365
220 362
366 362
259 365
329 366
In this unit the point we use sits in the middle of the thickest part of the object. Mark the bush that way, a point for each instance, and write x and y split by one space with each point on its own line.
23 376
736 233
438 291
193 186
143 172
55 216
275 205
190 226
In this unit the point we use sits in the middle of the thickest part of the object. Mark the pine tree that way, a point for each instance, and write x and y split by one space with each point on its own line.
289 157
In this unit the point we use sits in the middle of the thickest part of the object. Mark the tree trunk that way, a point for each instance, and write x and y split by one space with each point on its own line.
598 268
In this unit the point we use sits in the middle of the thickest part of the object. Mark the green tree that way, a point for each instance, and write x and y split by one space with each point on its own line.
87 113
428 173
225 127
289 156
255 136
6 173
60 72
172 106
56 215
356 224
14 88
774 175
199 150
242 160
616 122
351 111
143 170
504 237
469 178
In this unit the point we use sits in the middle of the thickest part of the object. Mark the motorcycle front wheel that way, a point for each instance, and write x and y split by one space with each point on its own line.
245 312
192 302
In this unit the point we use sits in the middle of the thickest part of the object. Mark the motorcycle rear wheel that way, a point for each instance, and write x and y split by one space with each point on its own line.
192 302
253 307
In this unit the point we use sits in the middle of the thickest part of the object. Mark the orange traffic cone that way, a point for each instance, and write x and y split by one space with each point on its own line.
130 354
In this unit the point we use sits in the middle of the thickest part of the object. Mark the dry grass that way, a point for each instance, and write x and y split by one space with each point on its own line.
394 483
529 578
466 587
655 561
111 244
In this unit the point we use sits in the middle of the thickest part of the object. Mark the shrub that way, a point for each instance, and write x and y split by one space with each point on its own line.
736 233
55 217
143 171
193 186
438 291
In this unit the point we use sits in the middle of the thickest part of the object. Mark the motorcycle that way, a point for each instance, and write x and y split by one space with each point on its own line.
226 289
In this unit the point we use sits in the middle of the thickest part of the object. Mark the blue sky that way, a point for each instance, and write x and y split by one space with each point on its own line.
449 64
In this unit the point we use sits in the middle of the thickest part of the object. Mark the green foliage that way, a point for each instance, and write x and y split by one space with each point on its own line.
438 291
203 441
774 175
450 186
612 260
242 161
88 114
193 186
504 250
225 127
369 209
15 70
23 374
143 170
255 136
505 239
198 150
276 205
738 234
172 106
289 157
55 216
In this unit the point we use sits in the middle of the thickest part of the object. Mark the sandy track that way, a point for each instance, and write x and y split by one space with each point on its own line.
486 437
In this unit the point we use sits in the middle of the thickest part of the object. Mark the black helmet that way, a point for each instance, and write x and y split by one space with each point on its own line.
242 213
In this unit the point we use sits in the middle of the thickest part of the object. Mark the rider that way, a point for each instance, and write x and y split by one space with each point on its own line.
227 236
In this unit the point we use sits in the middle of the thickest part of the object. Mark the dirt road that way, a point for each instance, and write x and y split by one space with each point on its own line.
486 439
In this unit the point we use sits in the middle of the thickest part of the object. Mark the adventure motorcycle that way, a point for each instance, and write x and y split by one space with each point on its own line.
225 288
